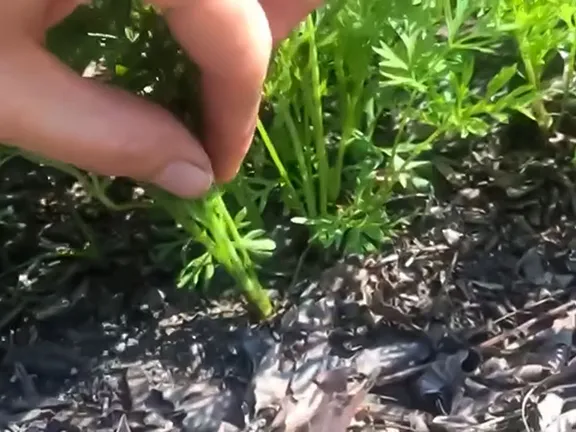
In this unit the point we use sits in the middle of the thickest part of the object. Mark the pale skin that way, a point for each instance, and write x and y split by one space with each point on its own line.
48 109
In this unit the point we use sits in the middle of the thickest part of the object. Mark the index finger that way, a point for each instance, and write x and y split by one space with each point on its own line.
231 42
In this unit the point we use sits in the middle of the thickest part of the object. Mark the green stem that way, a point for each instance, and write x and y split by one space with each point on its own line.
92 245
569 75
540 112
240 190
293 195
313 104
348 126
6 159
341 81
304 167
91 185
243 266
371 127
221 243
391 180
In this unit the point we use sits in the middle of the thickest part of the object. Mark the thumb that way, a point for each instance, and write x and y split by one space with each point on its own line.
49 110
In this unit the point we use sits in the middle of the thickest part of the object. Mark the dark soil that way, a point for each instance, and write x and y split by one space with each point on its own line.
466 323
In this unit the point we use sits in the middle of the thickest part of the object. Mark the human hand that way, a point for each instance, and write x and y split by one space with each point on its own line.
49 110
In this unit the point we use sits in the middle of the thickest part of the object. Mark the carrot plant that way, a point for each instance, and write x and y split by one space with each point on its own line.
209 222
323 96
128 52
352 67
434 70
567 13
538 30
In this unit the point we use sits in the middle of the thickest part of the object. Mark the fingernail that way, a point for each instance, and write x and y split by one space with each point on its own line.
184 179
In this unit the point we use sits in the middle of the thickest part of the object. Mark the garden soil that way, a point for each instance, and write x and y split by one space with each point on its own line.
465 323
